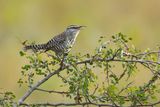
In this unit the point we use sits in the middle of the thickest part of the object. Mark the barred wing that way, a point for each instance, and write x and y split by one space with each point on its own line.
57 43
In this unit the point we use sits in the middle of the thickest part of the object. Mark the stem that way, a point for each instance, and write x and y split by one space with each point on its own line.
29 92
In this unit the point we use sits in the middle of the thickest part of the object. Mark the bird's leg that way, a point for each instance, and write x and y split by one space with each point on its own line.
56 57
65 57
63 61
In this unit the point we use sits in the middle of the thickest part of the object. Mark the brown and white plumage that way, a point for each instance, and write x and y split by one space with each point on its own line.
61 43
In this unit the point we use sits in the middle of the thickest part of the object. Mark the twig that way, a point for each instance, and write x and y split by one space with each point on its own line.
118 60
110 98
95 89
69 104
51 91
87 103
62 77
147 53
124 88
21 100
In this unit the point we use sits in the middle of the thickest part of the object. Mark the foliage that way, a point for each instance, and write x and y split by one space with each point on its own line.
105 78
6 99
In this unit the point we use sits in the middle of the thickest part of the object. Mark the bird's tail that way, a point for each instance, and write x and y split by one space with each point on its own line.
35 47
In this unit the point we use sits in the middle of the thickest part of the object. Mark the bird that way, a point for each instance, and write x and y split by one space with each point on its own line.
61 44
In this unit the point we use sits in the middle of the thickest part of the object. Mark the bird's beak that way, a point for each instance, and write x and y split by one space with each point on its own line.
80 27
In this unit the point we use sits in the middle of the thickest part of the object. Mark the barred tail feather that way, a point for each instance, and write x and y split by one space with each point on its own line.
35 47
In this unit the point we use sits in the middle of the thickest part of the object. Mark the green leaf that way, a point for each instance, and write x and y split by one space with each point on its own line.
22 53
26 67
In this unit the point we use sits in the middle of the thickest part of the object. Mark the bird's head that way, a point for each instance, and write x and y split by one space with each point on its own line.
74 28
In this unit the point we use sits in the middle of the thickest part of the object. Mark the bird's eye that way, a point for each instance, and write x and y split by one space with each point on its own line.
73 27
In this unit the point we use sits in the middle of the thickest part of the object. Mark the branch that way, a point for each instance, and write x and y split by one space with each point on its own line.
118 60
51 91
21 100
95 89
148 53
87 103
34 87
69 104
127 86
62 77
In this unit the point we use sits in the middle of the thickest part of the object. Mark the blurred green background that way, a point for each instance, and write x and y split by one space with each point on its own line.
40 20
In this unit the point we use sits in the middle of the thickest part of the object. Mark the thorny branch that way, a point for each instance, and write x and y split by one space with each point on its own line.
35 87
111 98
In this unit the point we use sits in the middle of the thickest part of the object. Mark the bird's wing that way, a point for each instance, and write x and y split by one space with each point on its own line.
60 38
55 41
